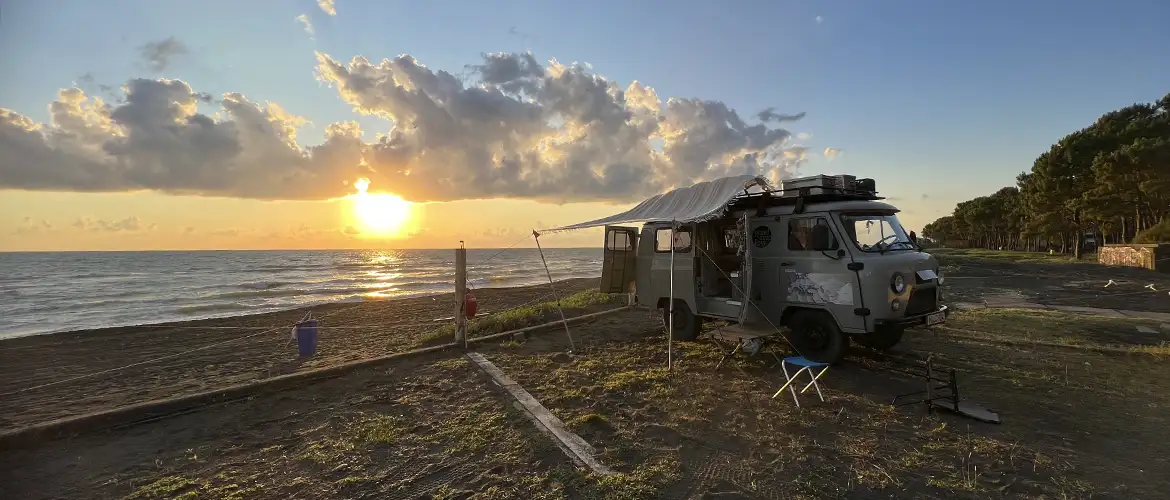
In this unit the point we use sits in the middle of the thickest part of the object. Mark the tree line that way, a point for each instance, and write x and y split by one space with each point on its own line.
1110 179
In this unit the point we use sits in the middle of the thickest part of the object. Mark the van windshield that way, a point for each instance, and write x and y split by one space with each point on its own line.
876 232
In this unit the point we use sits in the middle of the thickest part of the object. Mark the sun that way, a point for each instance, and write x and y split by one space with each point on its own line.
381 214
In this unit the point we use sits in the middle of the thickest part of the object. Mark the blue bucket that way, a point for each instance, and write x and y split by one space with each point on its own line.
306 332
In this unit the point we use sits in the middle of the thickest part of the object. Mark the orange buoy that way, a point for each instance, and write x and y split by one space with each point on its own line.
470 305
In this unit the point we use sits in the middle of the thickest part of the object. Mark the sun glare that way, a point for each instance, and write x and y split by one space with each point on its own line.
379 214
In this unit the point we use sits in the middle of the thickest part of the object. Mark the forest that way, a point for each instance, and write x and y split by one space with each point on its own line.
1110 179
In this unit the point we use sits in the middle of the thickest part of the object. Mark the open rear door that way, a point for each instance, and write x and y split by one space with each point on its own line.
618 264
745 271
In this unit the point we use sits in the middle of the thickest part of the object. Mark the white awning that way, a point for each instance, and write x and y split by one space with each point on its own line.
697 203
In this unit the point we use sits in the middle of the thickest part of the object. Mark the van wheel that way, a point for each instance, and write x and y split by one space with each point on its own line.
883 339
817 337
686 324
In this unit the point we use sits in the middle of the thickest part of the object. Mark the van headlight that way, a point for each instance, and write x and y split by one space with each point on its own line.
898 283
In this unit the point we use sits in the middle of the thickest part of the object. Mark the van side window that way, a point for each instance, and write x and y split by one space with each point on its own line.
682 240
618 240
800 233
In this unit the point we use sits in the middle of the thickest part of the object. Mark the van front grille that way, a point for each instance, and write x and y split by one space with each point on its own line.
921 301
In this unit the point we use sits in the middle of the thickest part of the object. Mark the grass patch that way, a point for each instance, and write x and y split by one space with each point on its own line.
520 317
975 255
380 429
635 379
1056 327
167 487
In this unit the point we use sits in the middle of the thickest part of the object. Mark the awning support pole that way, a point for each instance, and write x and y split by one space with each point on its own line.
536 236
670 316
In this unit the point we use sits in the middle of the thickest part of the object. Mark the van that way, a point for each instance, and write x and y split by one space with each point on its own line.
822 257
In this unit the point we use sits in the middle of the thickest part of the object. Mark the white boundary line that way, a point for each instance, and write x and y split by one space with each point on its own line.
579 451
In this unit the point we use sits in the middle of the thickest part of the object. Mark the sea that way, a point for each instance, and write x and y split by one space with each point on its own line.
49 292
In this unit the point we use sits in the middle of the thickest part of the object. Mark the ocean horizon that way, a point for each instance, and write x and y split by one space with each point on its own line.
53 292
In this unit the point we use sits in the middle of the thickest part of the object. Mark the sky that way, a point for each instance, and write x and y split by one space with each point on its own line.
136 125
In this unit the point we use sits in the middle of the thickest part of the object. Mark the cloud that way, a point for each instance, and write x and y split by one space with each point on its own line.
158 55
308 26
522 129
925 196
129 224
832 153
327 7
770 115
225 233
351 230
30 226
820 19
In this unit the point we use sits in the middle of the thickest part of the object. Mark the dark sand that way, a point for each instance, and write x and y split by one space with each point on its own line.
350 331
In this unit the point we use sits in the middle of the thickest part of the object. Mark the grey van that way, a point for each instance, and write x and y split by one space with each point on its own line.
821 256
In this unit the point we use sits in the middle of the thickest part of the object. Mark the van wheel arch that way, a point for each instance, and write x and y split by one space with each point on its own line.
786 316
688 325
803 321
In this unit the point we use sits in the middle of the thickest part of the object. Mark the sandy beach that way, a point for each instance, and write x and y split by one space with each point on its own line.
39 374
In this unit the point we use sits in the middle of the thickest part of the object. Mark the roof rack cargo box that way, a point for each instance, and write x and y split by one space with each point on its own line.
826 184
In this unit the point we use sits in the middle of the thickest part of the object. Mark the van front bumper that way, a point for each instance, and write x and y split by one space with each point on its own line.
931 318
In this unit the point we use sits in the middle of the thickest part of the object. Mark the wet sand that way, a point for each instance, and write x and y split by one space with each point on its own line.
208 354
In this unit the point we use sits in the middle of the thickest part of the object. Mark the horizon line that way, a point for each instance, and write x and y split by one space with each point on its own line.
288 249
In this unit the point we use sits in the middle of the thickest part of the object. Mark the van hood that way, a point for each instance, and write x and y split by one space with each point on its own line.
901 260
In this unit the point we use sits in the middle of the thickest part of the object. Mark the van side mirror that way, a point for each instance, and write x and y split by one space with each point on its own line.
820 239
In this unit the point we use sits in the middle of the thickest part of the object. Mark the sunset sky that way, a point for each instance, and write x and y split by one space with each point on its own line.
165 125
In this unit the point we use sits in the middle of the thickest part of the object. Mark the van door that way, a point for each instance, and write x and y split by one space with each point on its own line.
819 279
684 263
745 273
619 261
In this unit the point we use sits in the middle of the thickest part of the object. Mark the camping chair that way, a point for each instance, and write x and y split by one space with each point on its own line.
805 365
732 341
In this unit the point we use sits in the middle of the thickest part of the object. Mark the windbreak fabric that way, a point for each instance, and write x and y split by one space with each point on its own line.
700 202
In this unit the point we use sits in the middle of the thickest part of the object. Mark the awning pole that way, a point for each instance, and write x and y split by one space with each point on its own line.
536 236
670 316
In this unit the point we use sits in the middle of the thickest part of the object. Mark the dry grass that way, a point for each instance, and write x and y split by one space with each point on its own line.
980 255
1079 422
528 315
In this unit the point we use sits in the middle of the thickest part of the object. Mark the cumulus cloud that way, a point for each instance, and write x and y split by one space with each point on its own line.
129 224
832 153
327 7
523 129
308 26
158 55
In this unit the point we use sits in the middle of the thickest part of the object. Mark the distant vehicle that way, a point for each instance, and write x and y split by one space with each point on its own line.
1089 242
821 255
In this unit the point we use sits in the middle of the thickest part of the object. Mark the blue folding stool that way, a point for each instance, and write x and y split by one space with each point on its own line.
804 364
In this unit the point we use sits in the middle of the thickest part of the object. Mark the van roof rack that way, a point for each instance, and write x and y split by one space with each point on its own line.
805 190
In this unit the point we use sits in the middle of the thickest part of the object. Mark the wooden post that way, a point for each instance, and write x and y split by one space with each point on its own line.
460 295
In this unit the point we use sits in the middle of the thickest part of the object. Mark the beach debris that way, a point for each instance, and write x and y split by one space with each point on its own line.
1111 282
1151 287
1145 329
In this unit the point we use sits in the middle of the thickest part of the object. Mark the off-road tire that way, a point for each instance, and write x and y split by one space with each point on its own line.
816 336
883 339
686 324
